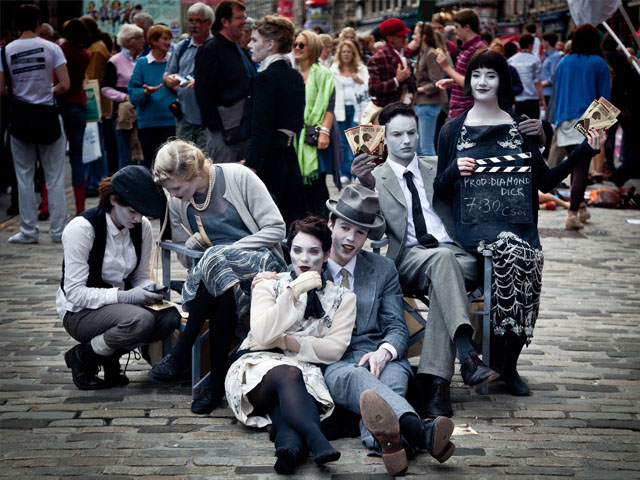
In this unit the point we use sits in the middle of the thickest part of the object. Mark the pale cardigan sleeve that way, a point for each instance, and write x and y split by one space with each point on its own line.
271 316
331 347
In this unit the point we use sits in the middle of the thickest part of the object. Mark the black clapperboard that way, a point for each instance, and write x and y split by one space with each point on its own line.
495 192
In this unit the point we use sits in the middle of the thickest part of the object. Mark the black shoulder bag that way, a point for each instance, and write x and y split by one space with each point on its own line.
30 122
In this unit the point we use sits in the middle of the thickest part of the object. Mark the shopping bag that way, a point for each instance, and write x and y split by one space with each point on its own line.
92 91
91 150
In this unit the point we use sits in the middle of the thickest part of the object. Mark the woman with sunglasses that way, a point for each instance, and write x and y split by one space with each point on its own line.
317 154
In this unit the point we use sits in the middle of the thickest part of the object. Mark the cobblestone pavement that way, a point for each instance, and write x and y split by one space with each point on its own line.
582 421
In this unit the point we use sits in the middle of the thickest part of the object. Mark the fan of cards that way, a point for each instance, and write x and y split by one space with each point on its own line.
367 139
601 114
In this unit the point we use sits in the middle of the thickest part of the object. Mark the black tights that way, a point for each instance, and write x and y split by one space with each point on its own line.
221 312
294 413
578 182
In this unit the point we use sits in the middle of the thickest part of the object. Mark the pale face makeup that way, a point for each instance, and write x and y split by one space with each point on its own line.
124 217
484 84
307 254
260 47
401 137
179 188
347 239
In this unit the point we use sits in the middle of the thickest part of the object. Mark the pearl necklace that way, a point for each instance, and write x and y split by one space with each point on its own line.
212 180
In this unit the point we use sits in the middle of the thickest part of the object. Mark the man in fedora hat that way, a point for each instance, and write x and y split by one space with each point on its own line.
390 76
106 284
422 243
371 378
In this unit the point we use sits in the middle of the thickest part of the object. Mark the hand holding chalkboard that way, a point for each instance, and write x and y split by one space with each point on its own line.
466 165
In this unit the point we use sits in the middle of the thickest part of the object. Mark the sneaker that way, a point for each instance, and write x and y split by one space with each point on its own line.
344 180
22 238
169 368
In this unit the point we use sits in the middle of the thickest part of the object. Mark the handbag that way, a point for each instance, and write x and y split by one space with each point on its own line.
92 91
231 118
311 134
31 122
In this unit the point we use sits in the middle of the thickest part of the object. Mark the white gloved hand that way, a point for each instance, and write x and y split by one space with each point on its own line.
195 242
138 296
305 282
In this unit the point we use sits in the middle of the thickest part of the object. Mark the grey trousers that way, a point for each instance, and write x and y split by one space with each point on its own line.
440 272
120 326
191 132
52 157
220 152
346 381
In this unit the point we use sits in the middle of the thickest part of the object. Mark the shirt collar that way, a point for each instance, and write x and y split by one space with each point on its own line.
194 44
399 170
151 58
468 43
274 57
127 54
334 268
112 229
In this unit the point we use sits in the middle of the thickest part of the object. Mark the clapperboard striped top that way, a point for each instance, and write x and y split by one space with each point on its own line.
502 170
504 158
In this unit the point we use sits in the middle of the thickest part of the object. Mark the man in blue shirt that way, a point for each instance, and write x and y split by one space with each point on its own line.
530 71
179 75
550 63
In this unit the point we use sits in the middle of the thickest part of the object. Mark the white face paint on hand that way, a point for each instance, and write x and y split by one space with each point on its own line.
124 217
260 47
401 137
347 239
484 84
306 253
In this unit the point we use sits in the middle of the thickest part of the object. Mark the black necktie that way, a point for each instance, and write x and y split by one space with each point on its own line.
424 237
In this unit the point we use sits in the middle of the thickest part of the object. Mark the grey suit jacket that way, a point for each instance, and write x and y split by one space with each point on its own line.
394 208
380 315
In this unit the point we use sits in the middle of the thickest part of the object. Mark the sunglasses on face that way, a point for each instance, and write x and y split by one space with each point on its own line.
299 45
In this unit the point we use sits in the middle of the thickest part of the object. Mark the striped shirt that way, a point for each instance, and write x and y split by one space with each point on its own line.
460 102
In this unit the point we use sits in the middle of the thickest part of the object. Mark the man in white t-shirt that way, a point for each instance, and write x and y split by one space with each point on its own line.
32 62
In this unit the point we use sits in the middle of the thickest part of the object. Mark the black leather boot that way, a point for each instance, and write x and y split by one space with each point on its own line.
84 363
113 374
510 376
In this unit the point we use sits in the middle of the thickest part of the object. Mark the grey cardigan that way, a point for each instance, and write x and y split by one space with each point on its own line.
246 192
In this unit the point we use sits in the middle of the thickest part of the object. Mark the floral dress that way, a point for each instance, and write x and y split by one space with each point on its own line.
322 341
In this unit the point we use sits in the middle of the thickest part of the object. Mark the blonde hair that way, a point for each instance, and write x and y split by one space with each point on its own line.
355 61
178 159
497 46
314 44
346 30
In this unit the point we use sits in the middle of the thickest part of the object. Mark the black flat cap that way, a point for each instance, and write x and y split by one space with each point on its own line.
135 184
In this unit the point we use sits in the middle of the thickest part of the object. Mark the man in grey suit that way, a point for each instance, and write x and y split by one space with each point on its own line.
422 244
372 377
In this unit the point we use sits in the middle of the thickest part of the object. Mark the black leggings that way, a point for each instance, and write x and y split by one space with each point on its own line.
221 312
294 413
578 181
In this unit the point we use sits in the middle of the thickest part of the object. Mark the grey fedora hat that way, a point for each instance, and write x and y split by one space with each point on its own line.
360 206
135 184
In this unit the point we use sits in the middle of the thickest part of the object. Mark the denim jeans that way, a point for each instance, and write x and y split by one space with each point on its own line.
123 140
427 117
347 155
97 170
74 118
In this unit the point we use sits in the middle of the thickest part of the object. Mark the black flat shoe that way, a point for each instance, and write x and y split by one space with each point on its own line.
287 461
439 401
113 374
169 368
326 456
515 384
83 363
205 401
474 371
436 437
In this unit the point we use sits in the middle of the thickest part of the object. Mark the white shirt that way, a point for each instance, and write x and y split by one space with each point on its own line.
434 225
335 271
32 62
150 58
119 261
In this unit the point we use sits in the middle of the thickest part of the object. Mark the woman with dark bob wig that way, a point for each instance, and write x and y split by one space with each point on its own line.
484 131
277 112
298 320
106 284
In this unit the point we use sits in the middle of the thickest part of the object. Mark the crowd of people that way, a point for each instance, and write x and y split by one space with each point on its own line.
228 136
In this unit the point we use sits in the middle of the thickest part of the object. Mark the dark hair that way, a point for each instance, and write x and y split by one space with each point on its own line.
106 39
586 41
394 109
487 37
312 225
468 17
427 35
530 27
76 32
225 10
105 191
550 37
526 40
27 17
489 59
91 24
510 49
